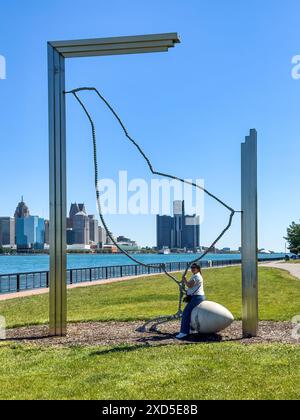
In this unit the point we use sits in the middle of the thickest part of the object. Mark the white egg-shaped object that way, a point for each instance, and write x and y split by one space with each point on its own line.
210 318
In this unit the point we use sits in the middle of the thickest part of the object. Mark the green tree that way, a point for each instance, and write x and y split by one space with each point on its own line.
293 238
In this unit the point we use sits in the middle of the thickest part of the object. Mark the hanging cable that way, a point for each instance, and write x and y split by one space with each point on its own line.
162 266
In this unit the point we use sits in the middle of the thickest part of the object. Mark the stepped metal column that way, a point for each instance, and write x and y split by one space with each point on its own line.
249 236
58 51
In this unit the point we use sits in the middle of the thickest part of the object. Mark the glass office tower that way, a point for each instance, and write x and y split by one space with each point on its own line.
178 232
30 233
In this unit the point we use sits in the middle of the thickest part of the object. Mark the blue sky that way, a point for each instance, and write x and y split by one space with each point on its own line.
190 109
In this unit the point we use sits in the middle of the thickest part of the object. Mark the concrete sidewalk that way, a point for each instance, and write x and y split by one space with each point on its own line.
293 269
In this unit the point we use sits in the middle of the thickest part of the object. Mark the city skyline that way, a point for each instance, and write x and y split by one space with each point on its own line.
83 232
79 209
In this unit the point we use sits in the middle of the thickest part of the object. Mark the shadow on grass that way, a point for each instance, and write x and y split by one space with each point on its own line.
161 340
193 338
121 349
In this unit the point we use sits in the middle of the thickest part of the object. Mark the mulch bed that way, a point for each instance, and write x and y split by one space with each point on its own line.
124 333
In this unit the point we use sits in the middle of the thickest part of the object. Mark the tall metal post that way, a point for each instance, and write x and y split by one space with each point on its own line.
58 202
58 51
249 236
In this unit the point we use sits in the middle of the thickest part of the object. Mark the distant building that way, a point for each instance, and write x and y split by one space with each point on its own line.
178 229
127 244
110 249
123 239
178 232
79 247
108 240
82 208
70 237
81 227
47 233
226 249
264 251
94 231
74 209
102 237
164 228
22 210
191 232
7 231
30 233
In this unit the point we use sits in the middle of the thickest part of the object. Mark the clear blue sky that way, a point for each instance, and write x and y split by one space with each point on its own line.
190 109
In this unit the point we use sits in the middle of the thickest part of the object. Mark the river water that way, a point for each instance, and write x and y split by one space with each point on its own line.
30 263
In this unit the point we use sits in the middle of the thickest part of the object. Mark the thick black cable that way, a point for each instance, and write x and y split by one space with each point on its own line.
154 172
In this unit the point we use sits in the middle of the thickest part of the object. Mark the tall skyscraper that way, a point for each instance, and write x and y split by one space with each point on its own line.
164 231
178 207
30 233
178 232
94 231
191 233
7 231
81 227
74 209
22 210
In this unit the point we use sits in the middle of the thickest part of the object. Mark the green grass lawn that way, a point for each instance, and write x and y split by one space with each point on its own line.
149 297
208 371
193 371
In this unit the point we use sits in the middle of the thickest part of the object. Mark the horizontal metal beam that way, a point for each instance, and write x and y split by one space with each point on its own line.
114 52
116 45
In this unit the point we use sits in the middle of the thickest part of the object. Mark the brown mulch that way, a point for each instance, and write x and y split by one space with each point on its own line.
119 333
